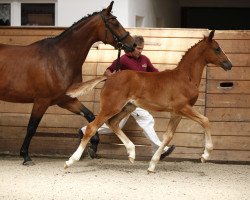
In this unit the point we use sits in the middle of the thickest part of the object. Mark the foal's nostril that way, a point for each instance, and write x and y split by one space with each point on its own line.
226 65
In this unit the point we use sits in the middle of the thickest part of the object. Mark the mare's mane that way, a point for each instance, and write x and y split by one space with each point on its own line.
74 26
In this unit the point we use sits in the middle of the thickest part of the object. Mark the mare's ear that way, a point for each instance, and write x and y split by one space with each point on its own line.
211 35
109 8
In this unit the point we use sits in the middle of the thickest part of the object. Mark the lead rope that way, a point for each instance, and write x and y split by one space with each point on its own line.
118 66
119 47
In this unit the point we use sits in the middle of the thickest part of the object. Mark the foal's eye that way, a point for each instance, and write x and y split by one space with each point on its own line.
218 50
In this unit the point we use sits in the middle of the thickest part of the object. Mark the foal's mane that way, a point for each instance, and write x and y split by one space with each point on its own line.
189 50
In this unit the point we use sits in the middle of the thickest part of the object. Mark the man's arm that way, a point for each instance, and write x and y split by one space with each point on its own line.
150 67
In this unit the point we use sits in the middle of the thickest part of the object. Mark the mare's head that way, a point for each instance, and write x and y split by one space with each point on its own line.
214 54
112 32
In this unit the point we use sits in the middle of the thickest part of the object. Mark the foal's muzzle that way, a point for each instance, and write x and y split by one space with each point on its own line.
226 65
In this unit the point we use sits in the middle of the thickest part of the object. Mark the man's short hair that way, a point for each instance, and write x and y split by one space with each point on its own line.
138 39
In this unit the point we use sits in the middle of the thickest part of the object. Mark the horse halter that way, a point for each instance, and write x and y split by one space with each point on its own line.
119 44
118 39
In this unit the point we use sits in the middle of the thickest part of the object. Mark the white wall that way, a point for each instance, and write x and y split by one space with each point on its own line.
142 8
69 11
72 11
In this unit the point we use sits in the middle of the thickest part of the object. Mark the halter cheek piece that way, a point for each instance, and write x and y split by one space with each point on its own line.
119 44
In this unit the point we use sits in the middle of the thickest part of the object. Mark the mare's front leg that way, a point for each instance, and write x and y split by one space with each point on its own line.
39 108
172 125
189 112
114 122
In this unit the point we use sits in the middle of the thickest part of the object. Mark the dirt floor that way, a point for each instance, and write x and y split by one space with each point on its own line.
118 179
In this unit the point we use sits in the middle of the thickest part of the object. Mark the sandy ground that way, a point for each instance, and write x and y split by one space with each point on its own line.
118 179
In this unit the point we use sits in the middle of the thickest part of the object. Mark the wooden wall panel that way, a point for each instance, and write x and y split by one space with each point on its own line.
57 133
228 99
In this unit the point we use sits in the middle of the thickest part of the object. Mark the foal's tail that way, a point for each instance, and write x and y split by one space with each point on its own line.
79 89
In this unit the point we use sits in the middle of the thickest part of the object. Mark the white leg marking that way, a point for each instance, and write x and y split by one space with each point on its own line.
155 159
131 151
75 157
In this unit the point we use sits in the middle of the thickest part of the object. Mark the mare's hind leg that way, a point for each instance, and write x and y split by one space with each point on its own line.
204 122
113 123
172 125
38 110
75 106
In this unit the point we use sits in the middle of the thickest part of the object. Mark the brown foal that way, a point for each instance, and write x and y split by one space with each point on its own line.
175 91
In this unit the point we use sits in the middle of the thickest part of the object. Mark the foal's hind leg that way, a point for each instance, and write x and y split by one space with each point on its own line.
90 131
172 125
113 123
204 122
75 106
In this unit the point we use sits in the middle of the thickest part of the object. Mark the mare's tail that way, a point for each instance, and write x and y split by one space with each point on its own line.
79 89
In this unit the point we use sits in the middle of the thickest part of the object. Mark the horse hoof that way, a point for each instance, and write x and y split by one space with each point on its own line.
151 171
132 160
28 163
203 160
65 166
92 153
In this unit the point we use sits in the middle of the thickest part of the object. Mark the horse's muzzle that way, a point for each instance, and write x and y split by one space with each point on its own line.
226 65
128 48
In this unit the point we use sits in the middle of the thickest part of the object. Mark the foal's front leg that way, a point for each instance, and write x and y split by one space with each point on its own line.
172 125
189 112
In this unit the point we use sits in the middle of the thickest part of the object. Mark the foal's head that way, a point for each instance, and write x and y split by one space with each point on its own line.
214 54
112 32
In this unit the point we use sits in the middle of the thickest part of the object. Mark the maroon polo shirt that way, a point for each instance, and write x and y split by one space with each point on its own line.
128 62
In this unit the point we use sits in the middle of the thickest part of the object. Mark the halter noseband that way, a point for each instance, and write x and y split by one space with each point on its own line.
119 44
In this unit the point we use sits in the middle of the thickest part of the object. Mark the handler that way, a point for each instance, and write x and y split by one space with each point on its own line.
138 62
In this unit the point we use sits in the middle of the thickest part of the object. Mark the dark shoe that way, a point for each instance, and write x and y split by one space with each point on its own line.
168 152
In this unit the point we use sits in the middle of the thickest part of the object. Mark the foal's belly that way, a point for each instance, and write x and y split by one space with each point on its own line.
151 105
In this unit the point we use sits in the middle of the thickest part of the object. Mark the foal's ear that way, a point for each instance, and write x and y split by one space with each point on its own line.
109 8
211 35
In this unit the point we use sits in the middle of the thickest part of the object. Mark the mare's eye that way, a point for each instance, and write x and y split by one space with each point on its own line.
218 50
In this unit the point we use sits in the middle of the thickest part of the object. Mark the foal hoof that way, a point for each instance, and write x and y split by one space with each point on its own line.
132 160
65 166
151 171
203 160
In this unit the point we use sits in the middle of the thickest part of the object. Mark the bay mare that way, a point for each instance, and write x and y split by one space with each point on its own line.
41 72
174 91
